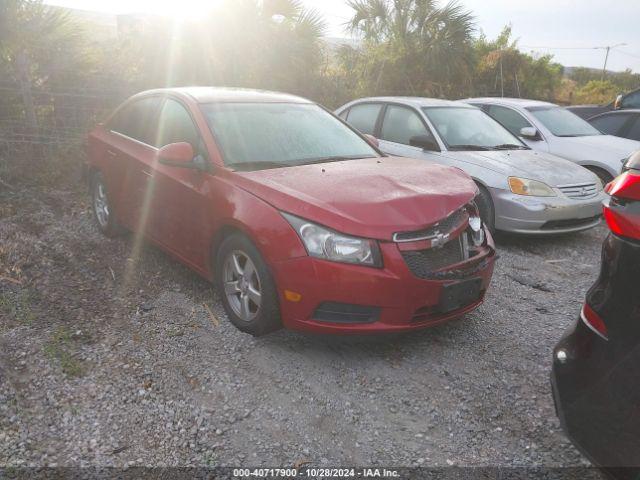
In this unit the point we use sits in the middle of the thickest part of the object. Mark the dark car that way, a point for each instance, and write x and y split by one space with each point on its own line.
622 102
621 123
296 217
596 365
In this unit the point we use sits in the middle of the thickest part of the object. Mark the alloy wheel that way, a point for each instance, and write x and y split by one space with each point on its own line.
101 203
242 285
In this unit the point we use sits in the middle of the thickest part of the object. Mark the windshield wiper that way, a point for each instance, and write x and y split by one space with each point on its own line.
510 146
468 147
240 166
334 158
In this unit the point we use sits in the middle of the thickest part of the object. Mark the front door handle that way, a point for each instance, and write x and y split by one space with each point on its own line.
111 153
147 173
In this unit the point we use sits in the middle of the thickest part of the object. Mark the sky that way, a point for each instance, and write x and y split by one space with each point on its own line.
568 29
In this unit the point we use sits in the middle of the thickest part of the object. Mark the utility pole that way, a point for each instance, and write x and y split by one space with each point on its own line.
606 56
501 77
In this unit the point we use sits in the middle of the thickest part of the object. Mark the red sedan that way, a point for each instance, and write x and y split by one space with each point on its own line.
297 218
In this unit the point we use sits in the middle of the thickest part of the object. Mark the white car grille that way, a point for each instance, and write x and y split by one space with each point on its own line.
580 190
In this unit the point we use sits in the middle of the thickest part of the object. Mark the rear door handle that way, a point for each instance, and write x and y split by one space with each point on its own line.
111 153
147 173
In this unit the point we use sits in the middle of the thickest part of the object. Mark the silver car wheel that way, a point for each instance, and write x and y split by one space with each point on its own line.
242 285
101 203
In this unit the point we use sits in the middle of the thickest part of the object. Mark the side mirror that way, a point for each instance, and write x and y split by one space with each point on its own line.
617 105
372 140
181 155
530 133
425 142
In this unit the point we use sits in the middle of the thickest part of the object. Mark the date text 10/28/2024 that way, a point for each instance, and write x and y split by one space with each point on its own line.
311 472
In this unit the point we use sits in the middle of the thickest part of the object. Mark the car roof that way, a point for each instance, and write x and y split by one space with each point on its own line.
411 101
618 112
227 94
514 102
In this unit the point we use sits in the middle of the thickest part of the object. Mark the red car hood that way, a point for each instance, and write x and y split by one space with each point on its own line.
372 197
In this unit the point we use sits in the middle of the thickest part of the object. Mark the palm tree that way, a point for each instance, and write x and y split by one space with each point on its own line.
34 40
413 46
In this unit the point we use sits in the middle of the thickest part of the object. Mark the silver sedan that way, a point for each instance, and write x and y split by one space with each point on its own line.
521 190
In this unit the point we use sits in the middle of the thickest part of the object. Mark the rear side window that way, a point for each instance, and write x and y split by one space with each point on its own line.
632 100
510 119
611 124
363 117
137 120
175 125
400 124
634 130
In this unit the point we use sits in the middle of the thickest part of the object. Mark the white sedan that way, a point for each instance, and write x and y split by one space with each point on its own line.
547 127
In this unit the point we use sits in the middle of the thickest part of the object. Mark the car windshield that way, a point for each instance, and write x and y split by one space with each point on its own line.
563 123
254 136
463 128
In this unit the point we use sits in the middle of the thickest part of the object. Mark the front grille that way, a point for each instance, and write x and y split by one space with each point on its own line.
448 225
337 312
423 263
574 222
580 190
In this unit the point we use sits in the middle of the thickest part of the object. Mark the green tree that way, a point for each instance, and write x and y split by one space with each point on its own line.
39 46
501 68
596 92
410 47
272 44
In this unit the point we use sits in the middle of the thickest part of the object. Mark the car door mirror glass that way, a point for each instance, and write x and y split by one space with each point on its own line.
425 142
530 133
618 103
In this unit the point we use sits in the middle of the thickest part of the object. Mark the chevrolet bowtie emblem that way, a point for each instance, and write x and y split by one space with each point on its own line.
439 239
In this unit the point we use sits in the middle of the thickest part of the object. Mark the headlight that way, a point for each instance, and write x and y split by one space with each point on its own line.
475 224
322 242
534 188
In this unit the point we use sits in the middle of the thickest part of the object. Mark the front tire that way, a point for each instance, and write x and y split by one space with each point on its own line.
102 207
487 212
246 287
604 176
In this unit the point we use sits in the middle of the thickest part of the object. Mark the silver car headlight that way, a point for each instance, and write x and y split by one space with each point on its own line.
534 188
322 242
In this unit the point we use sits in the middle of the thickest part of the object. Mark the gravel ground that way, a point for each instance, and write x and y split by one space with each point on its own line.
111 361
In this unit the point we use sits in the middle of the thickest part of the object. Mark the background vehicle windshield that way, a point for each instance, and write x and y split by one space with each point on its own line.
281 134
562 122
464 128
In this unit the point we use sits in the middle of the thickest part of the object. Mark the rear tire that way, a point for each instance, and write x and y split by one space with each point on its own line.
485 205
604 176
246 287
102 207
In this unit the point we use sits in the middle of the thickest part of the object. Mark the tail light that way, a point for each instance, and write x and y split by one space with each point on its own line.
622 209
593 321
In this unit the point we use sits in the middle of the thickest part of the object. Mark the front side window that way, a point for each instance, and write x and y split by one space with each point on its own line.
563 123
175 125
610 124
137 120
509 118
463 128
363 117
269 135
400 124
